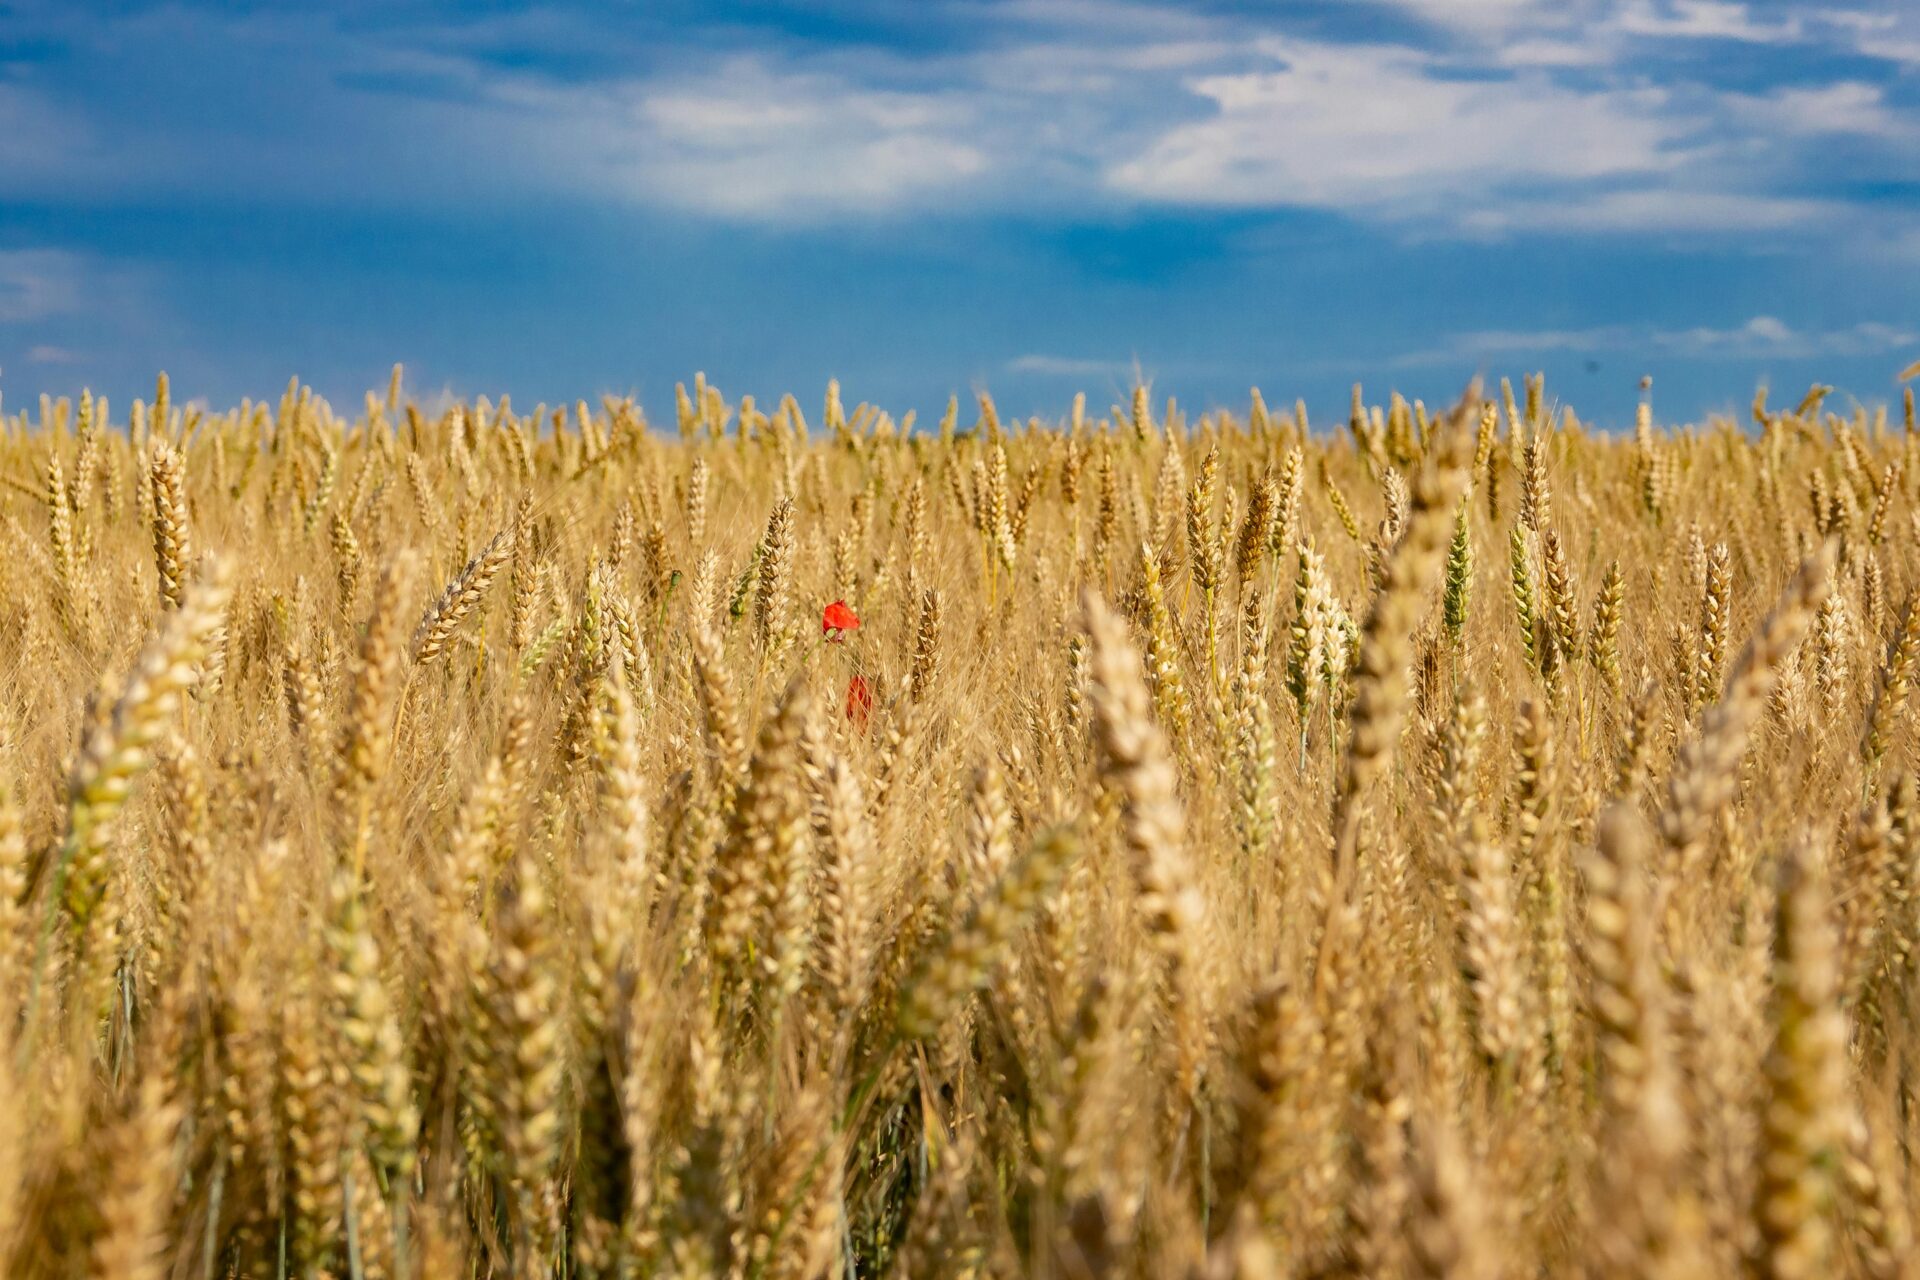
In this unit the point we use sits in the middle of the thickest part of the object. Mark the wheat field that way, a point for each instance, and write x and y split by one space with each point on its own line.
482 843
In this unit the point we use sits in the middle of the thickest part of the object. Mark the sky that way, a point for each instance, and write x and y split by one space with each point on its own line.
1028 197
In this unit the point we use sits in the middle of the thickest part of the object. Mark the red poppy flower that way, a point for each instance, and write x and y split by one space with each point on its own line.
838 619
859 701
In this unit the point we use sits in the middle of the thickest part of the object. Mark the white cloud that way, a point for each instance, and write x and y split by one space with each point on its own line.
40 141
1468 348
1704 19
1546 340
1546 52
1889 36
1375 126
1847 107
1904 51
46 354
1120 21
1066 366
1669 209
753 141
1858 20
1476 16
1761 337
1770 336
1581 32
37 283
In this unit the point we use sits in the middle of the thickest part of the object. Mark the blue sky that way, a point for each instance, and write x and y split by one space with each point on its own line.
1028 196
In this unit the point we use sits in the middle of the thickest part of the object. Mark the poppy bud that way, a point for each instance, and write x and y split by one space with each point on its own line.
859 701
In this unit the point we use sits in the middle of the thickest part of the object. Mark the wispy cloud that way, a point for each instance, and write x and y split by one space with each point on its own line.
1761 337
1479 17
38 283
753 140
1846 107
39 141
1705 19
1768 336
1068 366
1549 52
1669 209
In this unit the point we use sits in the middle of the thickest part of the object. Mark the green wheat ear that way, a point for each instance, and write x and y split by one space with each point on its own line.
1459 585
